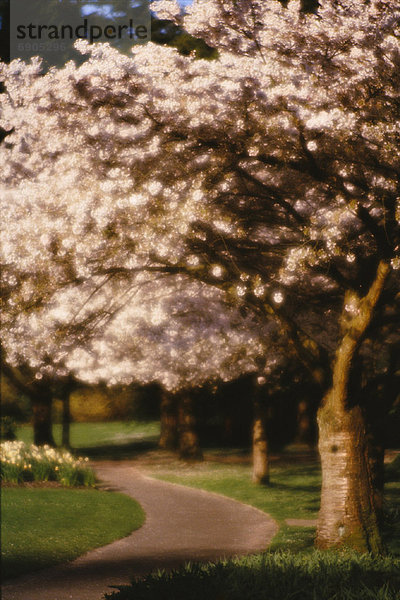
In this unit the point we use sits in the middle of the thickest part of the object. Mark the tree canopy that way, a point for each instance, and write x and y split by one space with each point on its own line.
270 173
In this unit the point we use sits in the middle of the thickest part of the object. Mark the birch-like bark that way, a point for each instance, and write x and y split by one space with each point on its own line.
348 515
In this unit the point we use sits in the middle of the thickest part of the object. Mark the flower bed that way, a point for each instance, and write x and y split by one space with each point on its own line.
21 462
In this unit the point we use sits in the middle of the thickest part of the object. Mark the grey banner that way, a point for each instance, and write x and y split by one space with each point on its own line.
49 28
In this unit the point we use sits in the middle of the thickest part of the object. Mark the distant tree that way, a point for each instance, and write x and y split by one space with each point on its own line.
40 395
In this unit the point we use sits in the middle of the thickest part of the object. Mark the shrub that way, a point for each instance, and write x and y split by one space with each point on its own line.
274 576
21 462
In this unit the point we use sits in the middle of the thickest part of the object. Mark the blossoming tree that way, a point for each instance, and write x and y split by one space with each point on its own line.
271 173
163 335
145 330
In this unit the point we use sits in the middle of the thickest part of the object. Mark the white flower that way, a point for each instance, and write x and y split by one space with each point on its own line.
312 145
217 271
278 297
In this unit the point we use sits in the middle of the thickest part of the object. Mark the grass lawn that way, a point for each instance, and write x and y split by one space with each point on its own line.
46 526
294 493
92 435
291 569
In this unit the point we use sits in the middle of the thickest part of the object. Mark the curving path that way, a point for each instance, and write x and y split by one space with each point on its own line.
182 524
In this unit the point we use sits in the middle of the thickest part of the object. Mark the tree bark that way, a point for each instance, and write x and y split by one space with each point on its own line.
260 446
348 514
42 418
169 422
66 420
40 395
189 446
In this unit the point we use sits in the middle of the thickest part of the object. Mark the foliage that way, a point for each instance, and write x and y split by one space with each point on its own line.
203 166
266 152
14 407
109 403
43 527
20 463
274 576
100 404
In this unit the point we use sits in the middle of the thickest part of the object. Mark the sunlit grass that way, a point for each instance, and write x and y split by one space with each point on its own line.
42 527
87 435
294 493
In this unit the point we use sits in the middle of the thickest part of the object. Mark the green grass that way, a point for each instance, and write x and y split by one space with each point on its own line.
42 527
91 435
274 576
294 493
291 569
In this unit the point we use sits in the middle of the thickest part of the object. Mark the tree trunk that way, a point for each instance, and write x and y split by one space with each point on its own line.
66 420
169 422
260 446
348 515
42 418
189 447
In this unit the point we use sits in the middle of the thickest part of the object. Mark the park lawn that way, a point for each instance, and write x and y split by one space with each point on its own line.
91 435
291 569
45 526
294 493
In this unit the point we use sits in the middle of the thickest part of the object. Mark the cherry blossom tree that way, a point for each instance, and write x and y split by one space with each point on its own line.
35 345
271 174
145 330
164 335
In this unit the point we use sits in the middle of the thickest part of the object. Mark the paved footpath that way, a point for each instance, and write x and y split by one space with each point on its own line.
182 524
